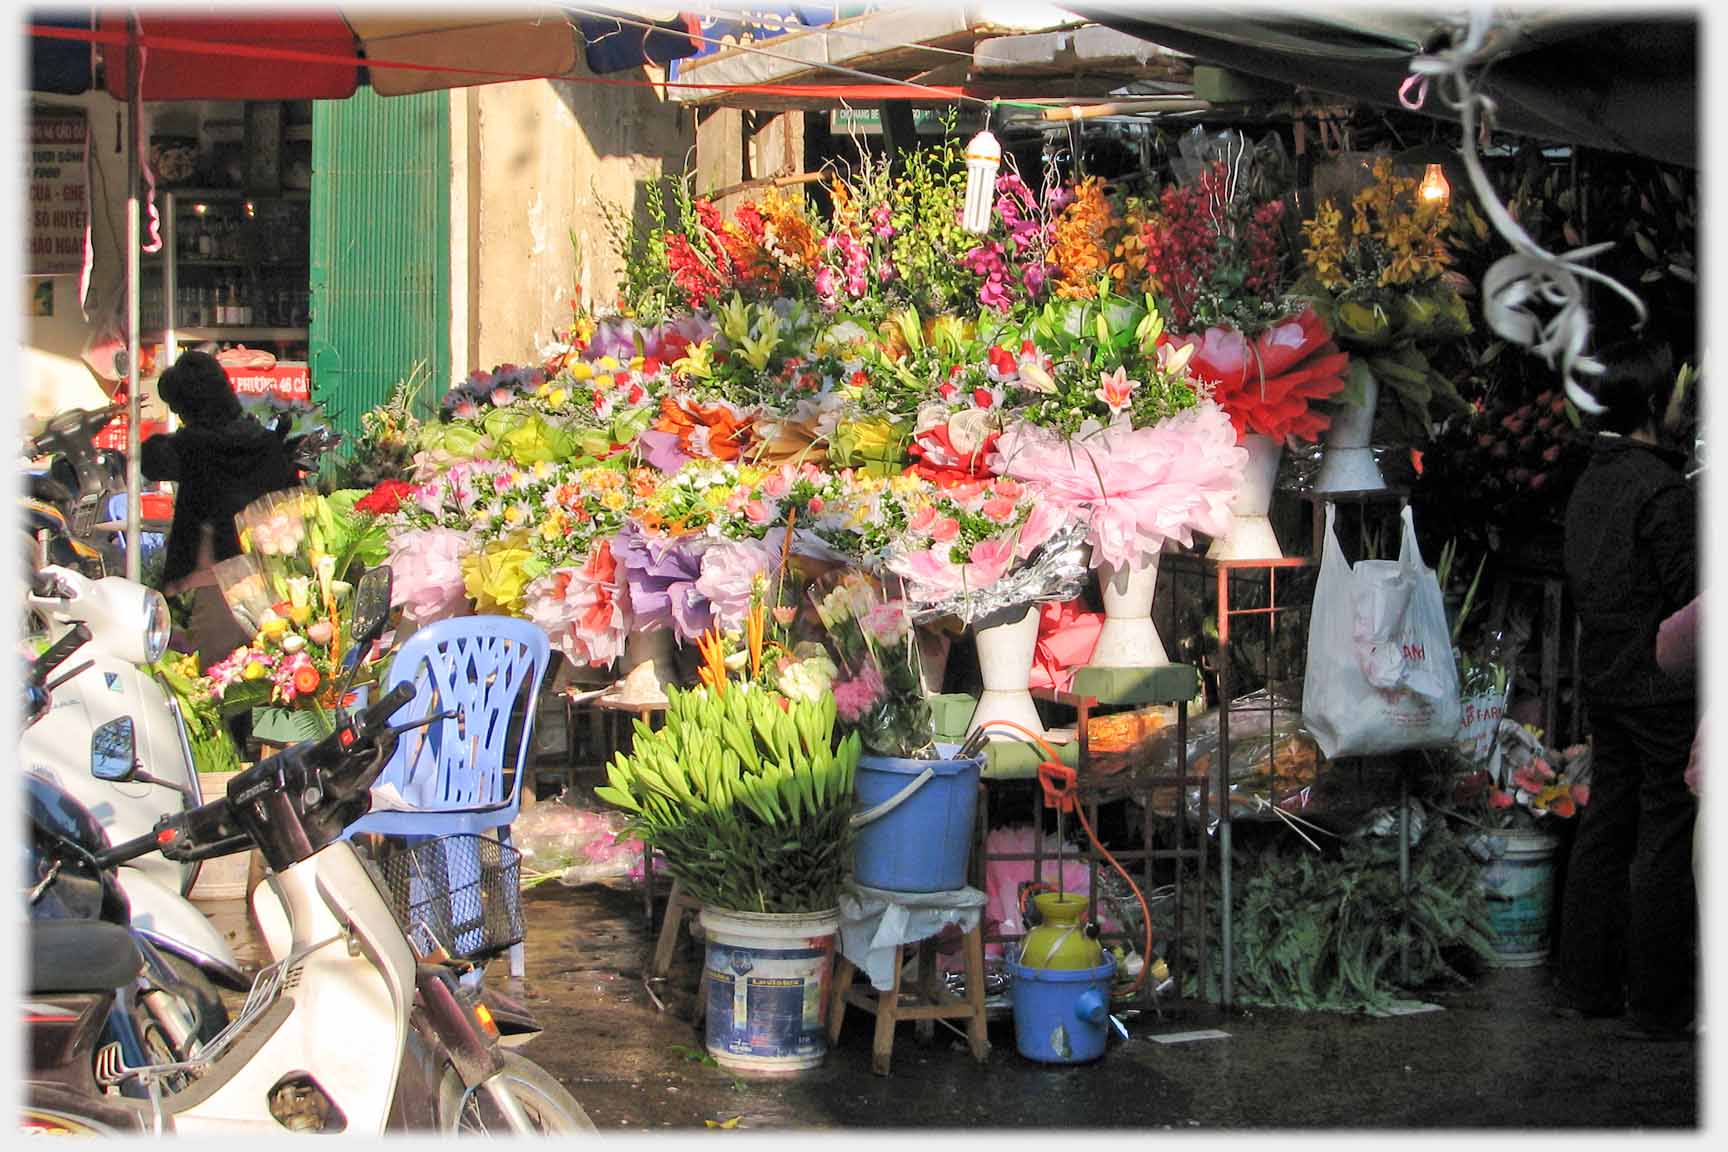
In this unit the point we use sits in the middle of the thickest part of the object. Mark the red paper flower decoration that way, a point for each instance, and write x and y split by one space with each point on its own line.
1269 384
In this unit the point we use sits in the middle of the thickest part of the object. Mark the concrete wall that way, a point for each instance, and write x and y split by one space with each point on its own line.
537 160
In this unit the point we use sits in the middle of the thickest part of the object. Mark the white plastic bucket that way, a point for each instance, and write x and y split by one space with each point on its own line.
767 986
1519 884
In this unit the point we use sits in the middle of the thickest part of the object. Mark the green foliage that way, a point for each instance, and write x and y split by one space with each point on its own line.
645 291
748 796
1323 934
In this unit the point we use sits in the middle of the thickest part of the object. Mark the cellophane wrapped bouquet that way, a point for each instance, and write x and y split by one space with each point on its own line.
878 691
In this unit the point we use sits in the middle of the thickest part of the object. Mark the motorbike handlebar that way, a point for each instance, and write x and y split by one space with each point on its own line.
129 850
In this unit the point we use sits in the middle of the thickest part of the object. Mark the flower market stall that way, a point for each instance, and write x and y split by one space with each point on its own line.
878 473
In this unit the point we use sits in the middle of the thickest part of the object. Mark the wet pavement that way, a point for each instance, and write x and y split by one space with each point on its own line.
1495 1056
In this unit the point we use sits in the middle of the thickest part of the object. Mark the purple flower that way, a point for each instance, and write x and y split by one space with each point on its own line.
660 450
661 576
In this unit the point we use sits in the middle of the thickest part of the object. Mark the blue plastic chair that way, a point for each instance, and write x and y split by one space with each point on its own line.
453 770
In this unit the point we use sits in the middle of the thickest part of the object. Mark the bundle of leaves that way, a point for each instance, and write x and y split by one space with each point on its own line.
1323 933
747 794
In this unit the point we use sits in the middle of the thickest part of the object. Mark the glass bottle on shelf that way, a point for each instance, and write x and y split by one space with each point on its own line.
202 241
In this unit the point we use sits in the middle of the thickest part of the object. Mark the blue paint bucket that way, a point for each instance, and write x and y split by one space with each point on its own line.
1061 1015
766 981
914 822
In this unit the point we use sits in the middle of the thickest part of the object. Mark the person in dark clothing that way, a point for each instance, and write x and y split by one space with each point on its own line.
1629 911
220 460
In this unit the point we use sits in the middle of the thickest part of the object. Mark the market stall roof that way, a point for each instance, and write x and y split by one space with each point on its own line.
1626 81
938 45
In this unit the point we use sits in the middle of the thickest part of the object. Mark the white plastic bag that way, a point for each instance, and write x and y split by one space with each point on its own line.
1381 675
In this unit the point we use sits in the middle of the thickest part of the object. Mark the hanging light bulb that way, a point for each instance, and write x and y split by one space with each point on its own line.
1434 189
983 158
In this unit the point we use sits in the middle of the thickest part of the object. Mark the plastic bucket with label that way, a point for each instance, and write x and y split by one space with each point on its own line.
767 988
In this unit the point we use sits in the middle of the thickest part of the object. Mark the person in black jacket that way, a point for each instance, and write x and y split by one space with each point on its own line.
220 460
1629 910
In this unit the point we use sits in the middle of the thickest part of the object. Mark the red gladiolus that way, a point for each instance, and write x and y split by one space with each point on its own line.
1563 807
1499 799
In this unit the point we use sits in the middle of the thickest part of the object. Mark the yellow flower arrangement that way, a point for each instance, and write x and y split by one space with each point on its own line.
1395 239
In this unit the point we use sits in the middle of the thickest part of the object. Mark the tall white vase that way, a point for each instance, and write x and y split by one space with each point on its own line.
1128 638
1251 536
1005 661
933 647
654 646
1347 464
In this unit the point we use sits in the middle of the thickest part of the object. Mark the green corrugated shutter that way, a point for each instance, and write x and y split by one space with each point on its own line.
380 248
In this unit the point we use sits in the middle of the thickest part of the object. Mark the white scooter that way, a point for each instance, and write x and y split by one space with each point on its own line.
125 628
355 1030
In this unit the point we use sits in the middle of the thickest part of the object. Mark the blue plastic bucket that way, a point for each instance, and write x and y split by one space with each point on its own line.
1061 1015
1519 884
766 979
914 822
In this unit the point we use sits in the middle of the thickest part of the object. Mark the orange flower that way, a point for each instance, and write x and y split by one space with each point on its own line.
306 680
711 431
1085 237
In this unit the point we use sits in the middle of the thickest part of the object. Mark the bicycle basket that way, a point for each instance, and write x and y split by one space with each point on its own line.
463 890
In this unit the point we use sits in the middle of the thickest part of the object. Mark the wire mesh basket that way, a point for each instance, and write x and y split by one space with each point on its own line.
462 891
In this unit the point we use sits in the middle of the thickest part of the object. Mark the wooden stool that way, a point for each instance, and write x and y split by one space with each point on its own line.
677 904
931 1003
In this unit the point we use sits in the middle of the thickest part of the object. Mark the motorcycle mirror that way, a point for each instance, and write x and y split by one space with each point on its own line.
113 751
371 606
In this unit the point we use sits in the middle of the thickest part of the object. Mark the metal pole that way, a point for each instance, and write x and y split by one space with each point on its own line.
134 117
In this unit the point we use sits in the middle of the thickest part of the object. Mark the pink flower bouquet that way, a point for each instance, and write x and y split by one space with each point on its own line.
1136 487
965 538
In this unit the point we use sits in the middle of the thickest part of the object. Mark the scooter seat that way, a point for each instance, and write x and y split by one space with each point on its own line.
81 956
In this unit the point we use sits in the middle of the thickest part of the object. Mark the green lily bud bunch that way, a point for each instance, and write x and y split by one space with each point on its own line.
747 794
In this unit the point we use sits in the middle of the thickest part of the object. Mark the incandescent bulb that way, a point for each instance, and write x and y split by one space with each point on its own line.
1434 188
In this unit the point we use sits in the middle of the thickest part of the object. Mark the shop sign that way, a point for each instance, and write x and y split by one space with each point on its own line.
59 207
925 121
290 382
756 22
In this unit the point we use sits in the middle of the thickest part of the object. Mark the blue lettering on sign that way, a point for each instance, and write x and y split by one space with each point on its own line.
113 680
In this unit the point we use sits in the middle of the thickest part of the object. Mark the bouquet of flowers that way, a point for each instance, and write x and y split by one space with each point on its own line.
1526 784
957 541
877 689
1135 487
1211 251
1380 283
1271 384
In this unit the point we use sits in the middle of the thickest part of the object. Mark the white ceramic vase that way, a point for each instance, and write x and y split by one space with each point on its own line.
1347 463
1005 650
1128 638
1251 536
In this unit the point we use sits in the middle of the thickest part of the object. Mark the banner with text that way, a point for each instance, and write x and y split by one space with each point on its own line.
59 207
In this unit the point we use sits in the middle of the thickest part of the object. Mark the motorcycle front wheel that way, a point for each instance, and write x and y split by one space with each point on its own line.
549 1107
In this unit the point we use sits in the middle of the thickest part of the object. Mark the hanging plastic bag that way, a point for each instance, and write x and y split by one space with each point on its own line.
1381 675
